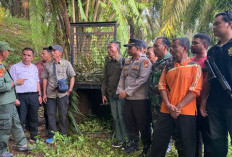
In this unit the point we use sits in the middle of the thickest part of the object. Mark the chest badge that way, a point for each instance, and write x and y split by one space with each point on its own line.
230 51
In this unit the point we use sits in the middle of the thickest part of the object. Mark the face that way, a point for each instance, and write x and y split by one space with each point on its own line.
197 46
150 55
56 54
5 54
177 50
132 50
112 51
220 27
159 48
45 55
27 57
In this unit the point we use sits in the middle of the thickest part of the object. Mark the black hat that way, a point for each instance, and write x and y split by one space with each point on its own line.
134 42
144 44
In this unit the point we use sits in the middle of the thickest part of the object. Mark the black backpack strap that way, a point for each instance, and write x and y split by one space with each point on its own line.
54 70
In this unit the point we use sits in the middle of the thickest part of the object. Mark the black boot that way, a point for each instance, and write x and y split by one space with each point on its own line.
132 147
145 151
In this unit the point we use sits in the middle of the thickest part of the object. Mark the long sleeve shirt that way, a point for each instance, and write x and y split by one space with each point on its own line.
134 78
7 93
178 81
30 73
111 76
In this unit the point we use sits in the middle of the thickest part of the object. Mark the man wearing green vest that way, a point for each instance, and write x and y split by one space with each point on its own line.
9 120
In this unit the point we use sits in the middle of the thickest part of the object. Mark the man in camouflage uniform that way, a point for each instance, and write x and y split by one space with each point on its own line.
9 119
161 46
134 89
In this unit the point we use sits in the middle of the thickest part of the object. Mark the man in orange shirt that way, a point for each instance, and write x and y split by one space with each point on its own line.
179 85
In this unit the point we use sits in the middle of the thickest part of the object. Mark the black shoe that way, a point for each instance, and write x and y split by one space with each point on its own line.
6 154
124 145
119 144
132 147
145 151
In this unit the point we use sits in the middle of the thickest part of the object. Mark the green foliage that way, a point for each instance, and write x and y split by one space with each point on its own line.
17 33
93 125
73 113
36 12
2 14
80 6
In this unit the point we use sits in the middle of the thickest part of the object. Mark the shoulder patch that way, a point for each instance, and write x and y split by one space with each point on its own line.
146 63
1 73
128 61
230 51
137 61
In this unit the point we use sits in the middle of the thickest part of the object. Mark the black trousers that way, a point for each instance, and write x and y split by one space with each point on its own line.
62 104
184 129
28 111
45 115
220 123
202 133
137 118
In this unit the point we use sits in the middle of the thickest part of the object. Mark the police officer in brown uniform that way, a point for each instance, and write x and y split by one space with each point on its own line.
133 88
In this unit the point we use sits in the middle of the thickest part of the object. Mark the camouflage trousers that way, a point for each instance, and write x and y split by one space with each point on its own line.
155 111
10 124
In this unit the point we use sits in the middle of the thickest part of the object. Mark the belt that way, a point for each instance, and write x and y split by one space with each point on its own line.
28 93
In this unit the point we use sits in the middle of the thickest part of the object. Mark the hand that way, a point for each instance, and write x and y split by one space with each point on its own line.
40 100
20 81
174 111
122 95
203 109
68 92
45 98
104 100
17 102
12 84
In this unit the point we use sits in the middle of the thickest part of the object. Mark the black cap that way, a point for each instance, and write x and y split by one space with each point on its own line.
144 44
134 42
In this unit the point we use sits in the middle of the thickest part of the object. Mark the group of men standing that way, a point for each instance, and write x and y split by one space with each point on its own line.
26 86
187 105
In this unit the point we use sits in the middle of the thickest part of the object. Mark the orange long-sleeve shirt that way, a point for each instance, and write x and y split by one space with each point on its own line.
180 80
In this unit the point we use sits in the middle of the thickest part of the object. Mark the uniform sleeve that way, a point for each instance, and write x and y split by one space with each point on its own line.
145 69
4 86
196 84
45 72
103 86
121 83
70 70
162 81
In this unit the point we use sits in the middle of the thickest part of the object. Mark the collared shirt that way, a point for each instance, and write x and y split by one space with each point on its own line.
134 77
223 59
30 73
40 67
178 81
64 70
201 62
156 72
111 76
7 93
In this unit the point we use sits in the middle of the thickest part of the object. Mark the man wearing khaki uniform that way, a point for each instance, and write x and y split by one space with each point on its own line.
134 89
52 96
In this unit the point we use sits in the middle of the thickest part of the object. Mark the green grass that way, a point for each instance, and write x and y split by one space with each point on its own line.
17 33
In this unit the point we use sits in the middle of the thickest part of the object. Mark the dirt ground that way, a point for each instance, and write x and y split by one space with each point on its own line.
42 132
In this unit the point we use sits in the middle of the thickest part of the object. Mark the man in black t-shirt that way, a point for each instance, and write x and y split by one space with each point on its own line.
216 102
